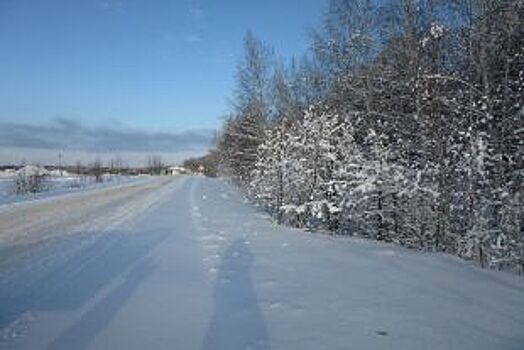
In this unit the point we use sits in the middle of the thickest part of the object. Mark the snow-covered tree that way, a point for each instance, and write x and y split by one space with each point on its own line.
404 124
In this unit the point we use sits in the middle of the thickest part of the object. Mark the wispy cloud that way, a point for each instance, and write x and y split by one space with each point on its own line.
64 133
193 38
169 37
197 19
111 5
196 13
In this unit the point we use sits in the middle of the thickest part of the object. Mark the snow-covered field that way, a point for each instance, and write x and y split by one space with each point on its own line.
186 264
56 185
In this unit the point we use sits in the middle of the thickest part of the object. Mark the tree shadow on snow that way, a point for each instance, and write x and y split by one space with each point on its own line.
80 335
69 284
237 322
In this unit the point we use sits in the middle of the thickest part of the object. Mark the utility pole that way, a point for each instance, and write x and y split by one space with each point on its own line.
60 162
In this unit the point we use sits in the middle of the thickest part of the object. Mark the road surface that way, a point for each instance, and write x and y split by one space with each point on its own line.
185 263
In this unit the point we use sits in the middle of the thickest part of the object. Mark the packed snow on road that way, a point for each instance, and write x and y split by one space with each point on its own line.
186 263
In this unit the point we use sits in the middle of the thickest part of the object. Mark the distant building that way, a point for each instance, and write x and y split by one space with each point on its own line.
177 170
7 173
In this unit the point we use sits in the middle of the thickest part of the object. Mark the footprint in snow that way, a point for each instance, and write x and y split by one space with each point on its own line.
387 252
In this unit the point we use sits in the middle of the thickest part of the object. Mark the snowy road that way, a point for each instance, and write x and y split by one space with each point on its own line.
186 264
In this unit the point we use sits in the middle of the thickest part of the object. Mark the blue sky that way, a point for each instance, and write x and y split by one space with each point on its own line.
154 66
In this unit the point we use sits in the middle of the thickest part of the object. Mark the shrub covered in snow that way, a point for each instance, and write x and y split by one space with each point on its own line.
31 179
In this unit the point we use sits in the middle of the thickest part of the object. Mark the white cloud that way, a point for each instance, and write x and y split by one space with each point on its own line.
111 5
196 13
193 38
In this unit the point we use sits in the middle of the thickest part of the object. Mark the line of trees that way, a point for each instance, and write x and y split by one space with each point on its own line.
405 123
205 165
